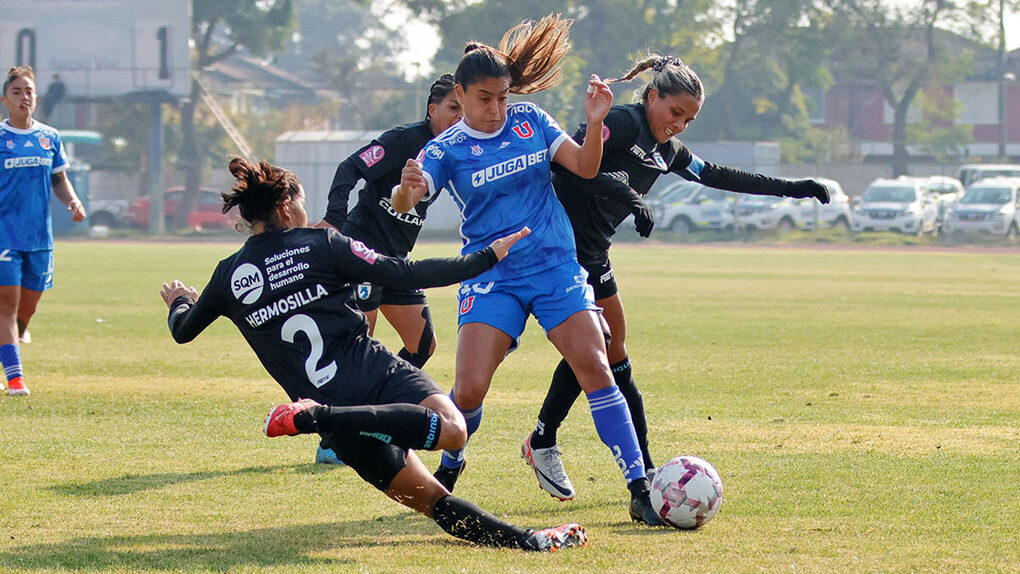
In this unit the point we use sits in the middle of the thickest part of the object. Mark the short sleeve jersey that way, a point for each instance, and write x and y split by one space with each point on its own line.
28 160
379 163
501 182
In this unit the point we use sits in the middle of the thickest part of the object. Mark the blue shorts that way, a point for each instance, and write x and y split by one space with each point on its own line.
29 269
552 296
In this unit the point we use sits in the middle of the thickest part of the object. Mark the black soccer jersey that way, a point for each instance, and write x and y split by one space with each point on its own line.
373 219
288 292
631 162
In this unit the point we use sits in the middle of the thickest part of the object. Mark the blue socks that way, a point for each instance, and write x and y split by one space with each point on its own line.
455 458
10 356
613 423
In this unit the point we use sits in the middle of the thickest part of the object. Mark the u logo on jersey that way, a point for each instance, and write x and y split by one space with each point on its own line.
524 130
44 142
466 304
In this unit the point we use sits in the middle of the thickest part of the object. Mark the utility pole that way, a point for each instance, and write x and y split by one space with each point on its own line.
1001 72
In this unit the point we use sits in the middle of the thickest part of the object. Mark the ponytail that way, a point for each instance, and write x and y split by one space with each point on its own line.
259 189
529 54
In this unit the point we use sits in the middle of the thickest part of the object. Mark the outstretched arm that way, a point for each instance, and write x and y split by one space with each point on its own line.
584 160
722 177
190 314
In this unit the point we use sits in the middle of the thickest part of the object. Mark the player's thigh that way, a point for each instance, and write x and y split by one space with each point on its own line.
579 339
480 350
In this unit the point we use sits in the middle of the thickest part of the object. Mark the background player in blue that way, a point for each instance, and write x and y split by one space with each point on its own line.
287 290
640 144
495 163
32 164
374 222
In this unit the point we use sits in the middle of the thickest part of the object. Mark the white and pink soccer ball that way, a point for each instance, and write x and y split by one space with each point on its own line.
686 492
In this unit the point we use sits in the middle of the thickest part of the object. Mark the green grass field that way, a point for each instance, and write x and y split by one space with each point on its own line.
862 407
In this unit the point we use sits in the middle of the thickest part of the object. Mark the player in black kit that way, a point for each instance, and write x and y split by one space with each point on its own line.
640 144
374 222
288 291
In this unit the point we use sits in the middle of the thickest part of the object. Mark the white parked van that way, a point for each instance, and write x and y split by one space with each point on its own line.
977 171
903 204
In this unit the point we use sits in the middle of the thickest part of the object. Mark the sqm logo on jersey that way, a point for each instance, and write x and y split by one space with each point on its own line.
476 150
524 130
246 283
364 291
44 143
372 155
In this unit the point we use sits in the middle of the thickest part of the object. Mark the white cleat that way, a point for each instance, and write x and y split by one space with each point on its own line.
548 466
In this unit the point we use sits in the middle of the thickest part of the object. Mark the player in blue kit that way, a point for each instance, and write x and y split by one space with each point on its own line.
32 165
288 291
496 165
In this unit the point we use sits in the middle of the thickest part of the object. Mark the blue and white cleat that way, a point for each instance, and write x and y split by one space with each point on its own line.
327 456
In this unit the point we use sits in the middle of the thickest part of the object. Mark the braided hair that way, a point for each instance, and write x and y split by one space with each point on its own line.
670 76
442 87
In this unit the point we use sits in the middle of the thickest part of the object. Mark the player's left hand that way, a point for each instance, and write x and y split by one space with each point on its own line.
643 219
175 289
598 100
502 245
77 211
802 188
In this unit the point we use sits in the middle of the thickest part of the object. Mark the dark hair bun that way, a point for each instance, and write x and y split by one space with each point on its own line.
472 46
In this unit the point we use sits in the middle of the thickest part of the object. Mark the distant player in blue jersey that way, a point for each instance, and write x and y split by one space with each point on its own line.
496 165
32 164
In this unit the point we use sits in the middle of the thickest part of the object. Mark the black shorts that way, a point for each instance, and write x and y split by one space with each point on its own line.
387 380
601 279
369 296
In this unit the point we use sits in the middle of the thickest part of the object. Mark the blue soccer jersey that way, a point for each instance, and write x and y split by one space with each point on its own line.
28 159
501 182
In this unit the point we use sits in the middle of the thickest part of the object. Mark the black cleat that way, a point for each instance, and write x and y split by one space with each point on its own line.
641 510
448 476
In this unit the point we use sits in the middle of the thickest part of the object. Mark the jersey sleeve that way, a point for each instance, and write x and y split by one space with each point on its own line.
436 166
550 130
693 168
357 263
189 318
59 158
346 177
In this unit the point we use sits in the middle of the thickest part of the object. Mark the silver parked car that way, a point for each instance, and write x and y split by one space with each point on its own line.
687 206
989 206
903 204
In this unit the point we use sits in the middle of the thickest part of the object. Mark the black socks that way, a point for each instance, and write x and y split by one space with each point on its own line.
403 425
463 519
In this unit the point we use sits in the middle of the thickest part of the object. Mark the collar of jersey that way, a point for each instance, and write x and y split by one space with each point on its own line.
31 128
482 135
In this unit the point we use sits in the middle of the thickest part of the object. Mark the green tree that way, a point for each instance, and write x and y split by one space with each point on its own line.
901 51
220 29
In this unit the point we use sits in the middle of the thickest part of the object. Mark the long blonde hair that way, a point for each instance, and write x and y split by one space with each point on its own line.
529 54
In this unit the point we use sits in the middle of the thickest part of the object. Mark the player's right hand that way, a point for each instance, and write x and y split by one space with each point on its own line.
412 187
502 245
175 289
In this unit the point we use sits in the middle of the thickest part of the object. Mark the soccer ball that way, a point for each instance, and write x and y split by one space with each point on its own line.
686 492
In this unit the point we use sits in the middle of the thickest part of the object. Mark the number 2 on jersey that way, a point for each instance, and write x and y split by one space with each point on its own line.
305 324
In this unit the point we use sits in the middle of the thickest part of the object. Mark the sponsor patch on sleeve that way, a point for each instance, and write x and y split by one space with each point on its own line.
605 133
363 252
372 155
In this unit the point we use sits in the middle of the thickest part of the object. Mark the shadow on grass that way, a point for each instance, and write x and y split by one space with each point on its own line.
132 483
302 545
